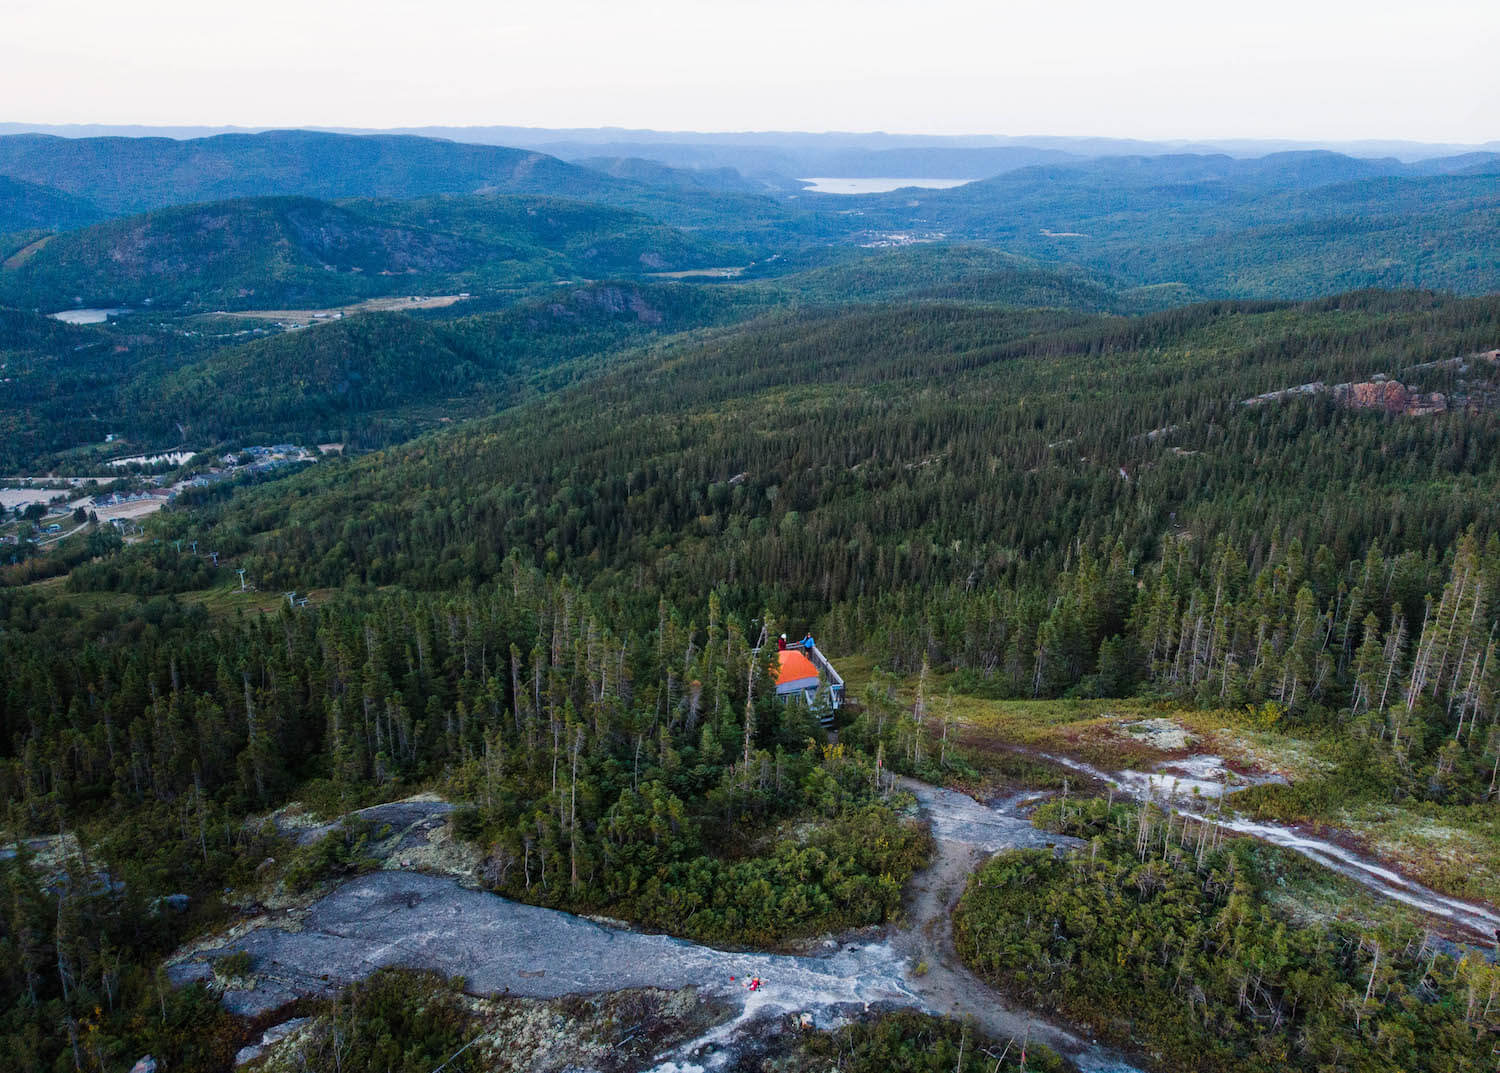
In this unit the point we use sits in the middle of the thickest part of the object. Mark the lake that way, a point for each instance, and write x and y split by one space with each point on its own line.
86 316
834 185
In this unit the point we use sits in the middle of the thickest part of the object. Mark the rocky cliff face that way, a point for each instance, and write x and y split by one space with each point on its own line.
1392 396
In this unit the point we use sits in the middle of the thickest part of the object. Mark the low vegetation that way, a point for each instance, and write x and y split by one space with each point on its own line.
1162 936
917 1043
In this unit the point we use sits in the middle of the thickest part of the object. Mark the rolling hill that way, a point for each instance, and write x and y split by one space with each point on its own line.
277 252
1227 227
812 459
960 272
274 253
376 378
1206 223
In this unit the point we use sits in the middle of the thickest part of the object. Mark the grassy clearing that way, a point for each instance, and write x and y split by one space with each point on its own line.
227 599
221 601
1451 848
1109 734
26 253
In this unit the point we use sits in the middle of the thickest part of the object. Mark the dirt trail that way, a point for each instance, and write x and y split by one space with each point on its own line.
967 834
947 987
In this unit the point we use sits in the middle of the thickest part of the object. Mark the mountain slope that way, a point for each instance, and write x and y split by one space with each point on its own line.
376 378
1230 227
654 173
270 253
276 252
25 206
46 368
836 454
956 272
588 238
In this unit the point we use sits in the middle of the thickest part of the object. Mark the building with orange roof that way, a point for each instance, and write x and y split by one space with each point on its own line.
801 670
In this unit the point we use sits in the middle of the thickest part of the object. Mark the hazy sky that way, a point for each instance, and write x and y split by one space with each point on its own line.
1316 69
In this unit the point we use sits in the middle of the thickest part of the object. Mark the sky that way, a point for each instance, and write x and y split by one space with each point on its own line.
1302 69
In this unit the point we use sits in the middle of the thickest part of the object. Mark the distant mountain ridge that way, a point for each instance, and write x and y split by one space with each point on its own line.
534 137
230 253
127 175
141 168
1290 226
434 217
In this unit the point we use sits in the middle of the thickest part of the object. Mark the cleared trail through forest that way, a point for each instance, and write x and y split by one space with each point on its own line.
967 833
500 947
1211 781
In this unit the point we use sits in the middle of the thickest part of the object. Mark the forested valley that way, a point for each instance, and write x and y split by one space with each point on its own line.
559 613
1182 474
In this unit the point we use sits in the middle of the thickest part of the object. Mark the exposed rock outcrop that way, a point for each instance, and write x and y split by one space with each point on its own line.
1392 396
1475 390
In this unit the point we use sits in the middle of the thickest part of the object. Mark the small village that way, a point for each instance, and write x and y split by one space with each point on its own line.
36 511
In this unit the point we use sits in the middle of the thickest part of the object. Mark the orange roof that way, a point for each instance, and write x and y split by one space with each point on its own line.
794 665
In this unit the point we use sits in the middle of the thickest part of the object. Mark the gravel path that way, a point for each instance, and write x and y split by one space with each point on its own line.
967 834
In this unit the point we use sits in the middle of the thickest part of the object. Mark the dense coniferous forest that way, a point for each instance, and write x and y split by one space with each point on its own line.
643 776
378 379
290 253
1048 503
368 381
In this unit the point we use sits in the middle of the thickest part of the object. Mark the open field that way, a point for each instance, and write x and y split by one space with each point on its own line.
1455 849
11 498
25 253
137 509
304 317
1107 733
725 272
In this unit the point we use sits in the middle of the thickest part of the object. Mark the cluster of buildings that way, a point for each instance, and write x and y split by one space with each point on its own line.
250 460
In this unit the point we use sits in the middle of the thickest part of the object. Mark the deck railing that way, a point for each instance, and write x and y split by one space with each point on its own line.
825 668
831 677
